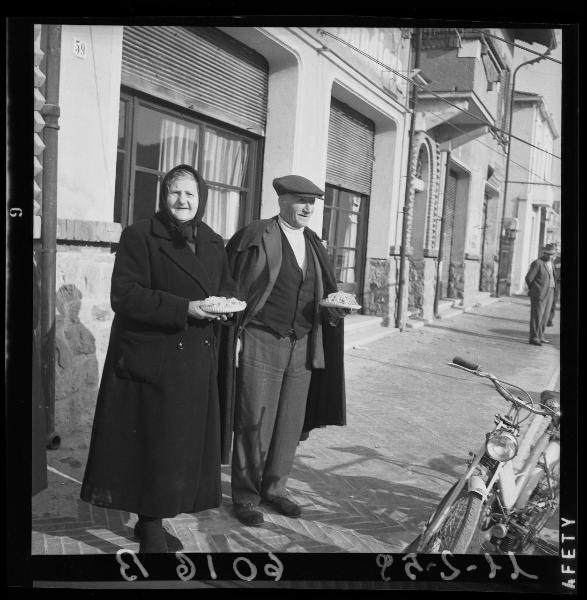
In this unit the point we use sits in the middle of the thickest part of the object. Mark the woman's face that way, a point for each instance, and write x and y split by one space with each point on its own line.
182 198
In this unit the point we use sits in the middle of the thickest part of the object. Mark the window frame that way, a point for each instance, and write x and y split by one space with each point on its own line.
134 99
360 248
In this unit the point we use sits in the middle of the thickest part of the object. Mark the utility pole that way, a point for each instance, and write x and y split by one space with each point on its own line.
50 113
408 208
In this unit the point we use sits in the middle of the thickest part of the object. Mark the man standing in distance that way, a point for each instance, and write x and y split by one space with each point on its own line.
288 348
556 266
540 282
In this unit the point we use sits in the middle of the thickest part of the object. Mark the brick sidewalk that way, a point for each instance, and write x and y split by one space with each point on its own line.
365 487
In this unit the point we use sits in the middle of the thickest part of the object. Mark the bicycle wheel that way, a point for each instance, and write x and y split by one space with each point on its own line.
456 533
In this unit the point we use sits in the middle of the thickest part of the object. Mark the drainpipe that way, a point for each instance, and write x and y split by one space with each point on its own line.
50 113
442 234
507 160
407 212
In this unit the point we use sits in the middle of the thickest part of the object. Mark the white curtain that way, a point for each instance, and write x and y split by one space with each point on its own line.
179 145
225 158
225 162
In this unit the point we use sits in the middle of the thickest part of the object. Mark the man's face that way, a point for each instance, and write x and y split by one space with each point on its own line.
296 210
546 256
182 198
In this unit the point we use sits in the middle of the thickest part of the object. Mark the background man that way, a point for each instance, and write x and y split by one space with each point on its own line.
288 348
556 266
540 282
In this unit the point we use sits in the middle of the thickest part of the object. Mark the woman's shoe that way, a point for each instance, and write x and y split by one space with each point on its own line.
151 535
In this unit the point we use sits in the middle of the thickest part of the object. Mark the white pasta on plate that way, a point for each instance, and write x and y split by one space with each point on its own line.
341 300
221 304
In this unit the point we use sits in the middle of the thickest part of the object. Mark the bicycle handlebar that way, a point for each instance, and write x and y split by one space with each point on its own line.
466 365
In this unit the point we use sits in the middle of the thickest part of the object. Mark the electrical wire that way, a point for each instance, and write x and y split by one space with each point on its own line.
516 45
499 153
481 120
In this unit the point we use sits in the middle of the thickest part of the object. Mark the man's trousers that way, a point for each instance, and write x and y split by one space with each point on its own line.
273 384
539 314
555 299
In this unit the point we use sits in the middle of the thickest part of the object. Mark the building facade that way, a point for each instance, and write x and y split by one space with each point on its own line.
533 203
243 105
458 165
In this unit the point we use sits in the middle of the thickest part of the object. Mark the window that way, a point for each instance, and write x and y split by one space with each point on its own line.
154 138
343 228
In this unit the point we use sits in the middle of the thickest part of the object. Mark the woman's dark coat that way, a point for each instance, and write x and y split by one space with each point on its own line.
155 447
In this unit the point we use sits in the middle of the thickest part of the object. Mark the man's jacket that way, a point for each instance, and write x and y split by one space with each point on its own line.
254 255
538 279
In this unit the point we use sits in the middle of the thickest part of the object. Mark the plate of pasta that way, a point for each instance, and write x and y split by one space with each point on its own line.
221 305
340 300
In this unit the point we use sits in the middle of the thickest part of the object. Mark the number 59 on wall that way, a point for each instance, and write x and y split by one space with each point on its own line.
80 48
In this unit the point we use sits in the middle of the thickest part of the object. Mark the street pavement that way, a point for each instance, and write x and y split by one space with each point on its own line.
364 487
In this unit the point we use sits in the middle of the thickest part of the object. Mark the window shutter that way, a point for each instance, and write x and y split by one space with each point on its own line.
201 68
350 149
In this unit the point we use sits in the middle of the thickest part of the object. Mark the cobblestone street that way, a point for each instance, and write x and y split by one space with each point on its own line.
365 487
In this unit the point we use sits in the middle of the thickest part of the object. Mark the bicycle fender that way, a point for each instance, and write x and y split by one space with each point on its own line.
477 485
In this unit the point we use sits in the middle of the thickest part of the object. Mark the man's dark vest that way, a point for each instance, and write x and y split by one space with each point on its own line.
290 306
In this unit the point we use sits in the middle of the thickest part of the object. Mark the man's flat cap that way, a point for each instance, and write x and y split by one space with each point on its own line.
549 249
296 184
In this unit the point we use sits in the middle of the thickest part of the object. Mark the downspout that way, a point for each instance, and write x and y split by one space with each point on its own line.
442 234
507 160
407 212
50 113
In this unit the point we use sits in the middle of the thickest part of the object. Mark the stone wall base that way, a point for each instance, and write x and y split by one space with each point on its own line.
379 295
82 330
471 276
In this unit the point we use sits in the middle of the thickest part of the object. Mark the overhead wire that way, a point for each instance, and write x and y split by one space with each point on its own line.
516 45
410 80
496 152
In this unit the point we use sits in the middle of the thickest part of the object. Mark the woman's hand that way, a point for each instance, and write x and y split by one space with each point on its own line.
195 311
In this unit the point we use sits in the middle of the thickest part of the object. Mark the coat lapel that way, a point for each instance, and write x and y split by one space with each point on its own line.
273 250
271 241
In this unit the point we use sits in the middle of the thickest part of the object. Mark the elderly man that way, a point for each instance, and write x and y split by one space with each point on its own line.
288 349
541 283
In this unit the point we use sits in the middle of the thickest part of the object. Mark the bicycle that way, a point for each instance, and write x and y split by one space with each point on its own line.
506 502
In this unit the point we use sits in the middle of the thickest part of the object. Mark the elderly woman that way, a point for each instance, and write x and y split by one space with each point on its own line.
155 446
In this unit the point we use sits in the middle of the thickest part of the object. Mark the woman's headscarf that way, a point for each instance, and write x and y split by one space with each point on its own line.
185 229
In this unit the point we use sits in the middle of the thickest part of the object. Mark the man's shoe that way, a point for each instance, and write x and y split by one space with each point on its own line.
248 514
535 343
545 341
284 505
549 324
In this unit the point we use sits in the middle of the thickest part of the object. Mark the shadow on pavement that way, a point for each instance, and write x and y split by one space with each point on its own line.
505 333
84 528
341 498
553 338
485 316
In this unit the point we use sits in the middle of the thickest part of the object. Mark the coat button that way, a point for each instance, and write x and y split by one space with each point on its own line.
180 346
206 342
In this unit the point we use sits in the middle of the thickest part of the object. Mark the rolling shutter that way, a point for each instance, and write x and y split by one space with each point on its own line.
201 68
350 149
449 218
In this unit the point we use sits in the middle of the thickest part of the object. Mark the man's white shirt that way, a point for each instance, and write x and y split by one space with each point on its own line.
297 241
